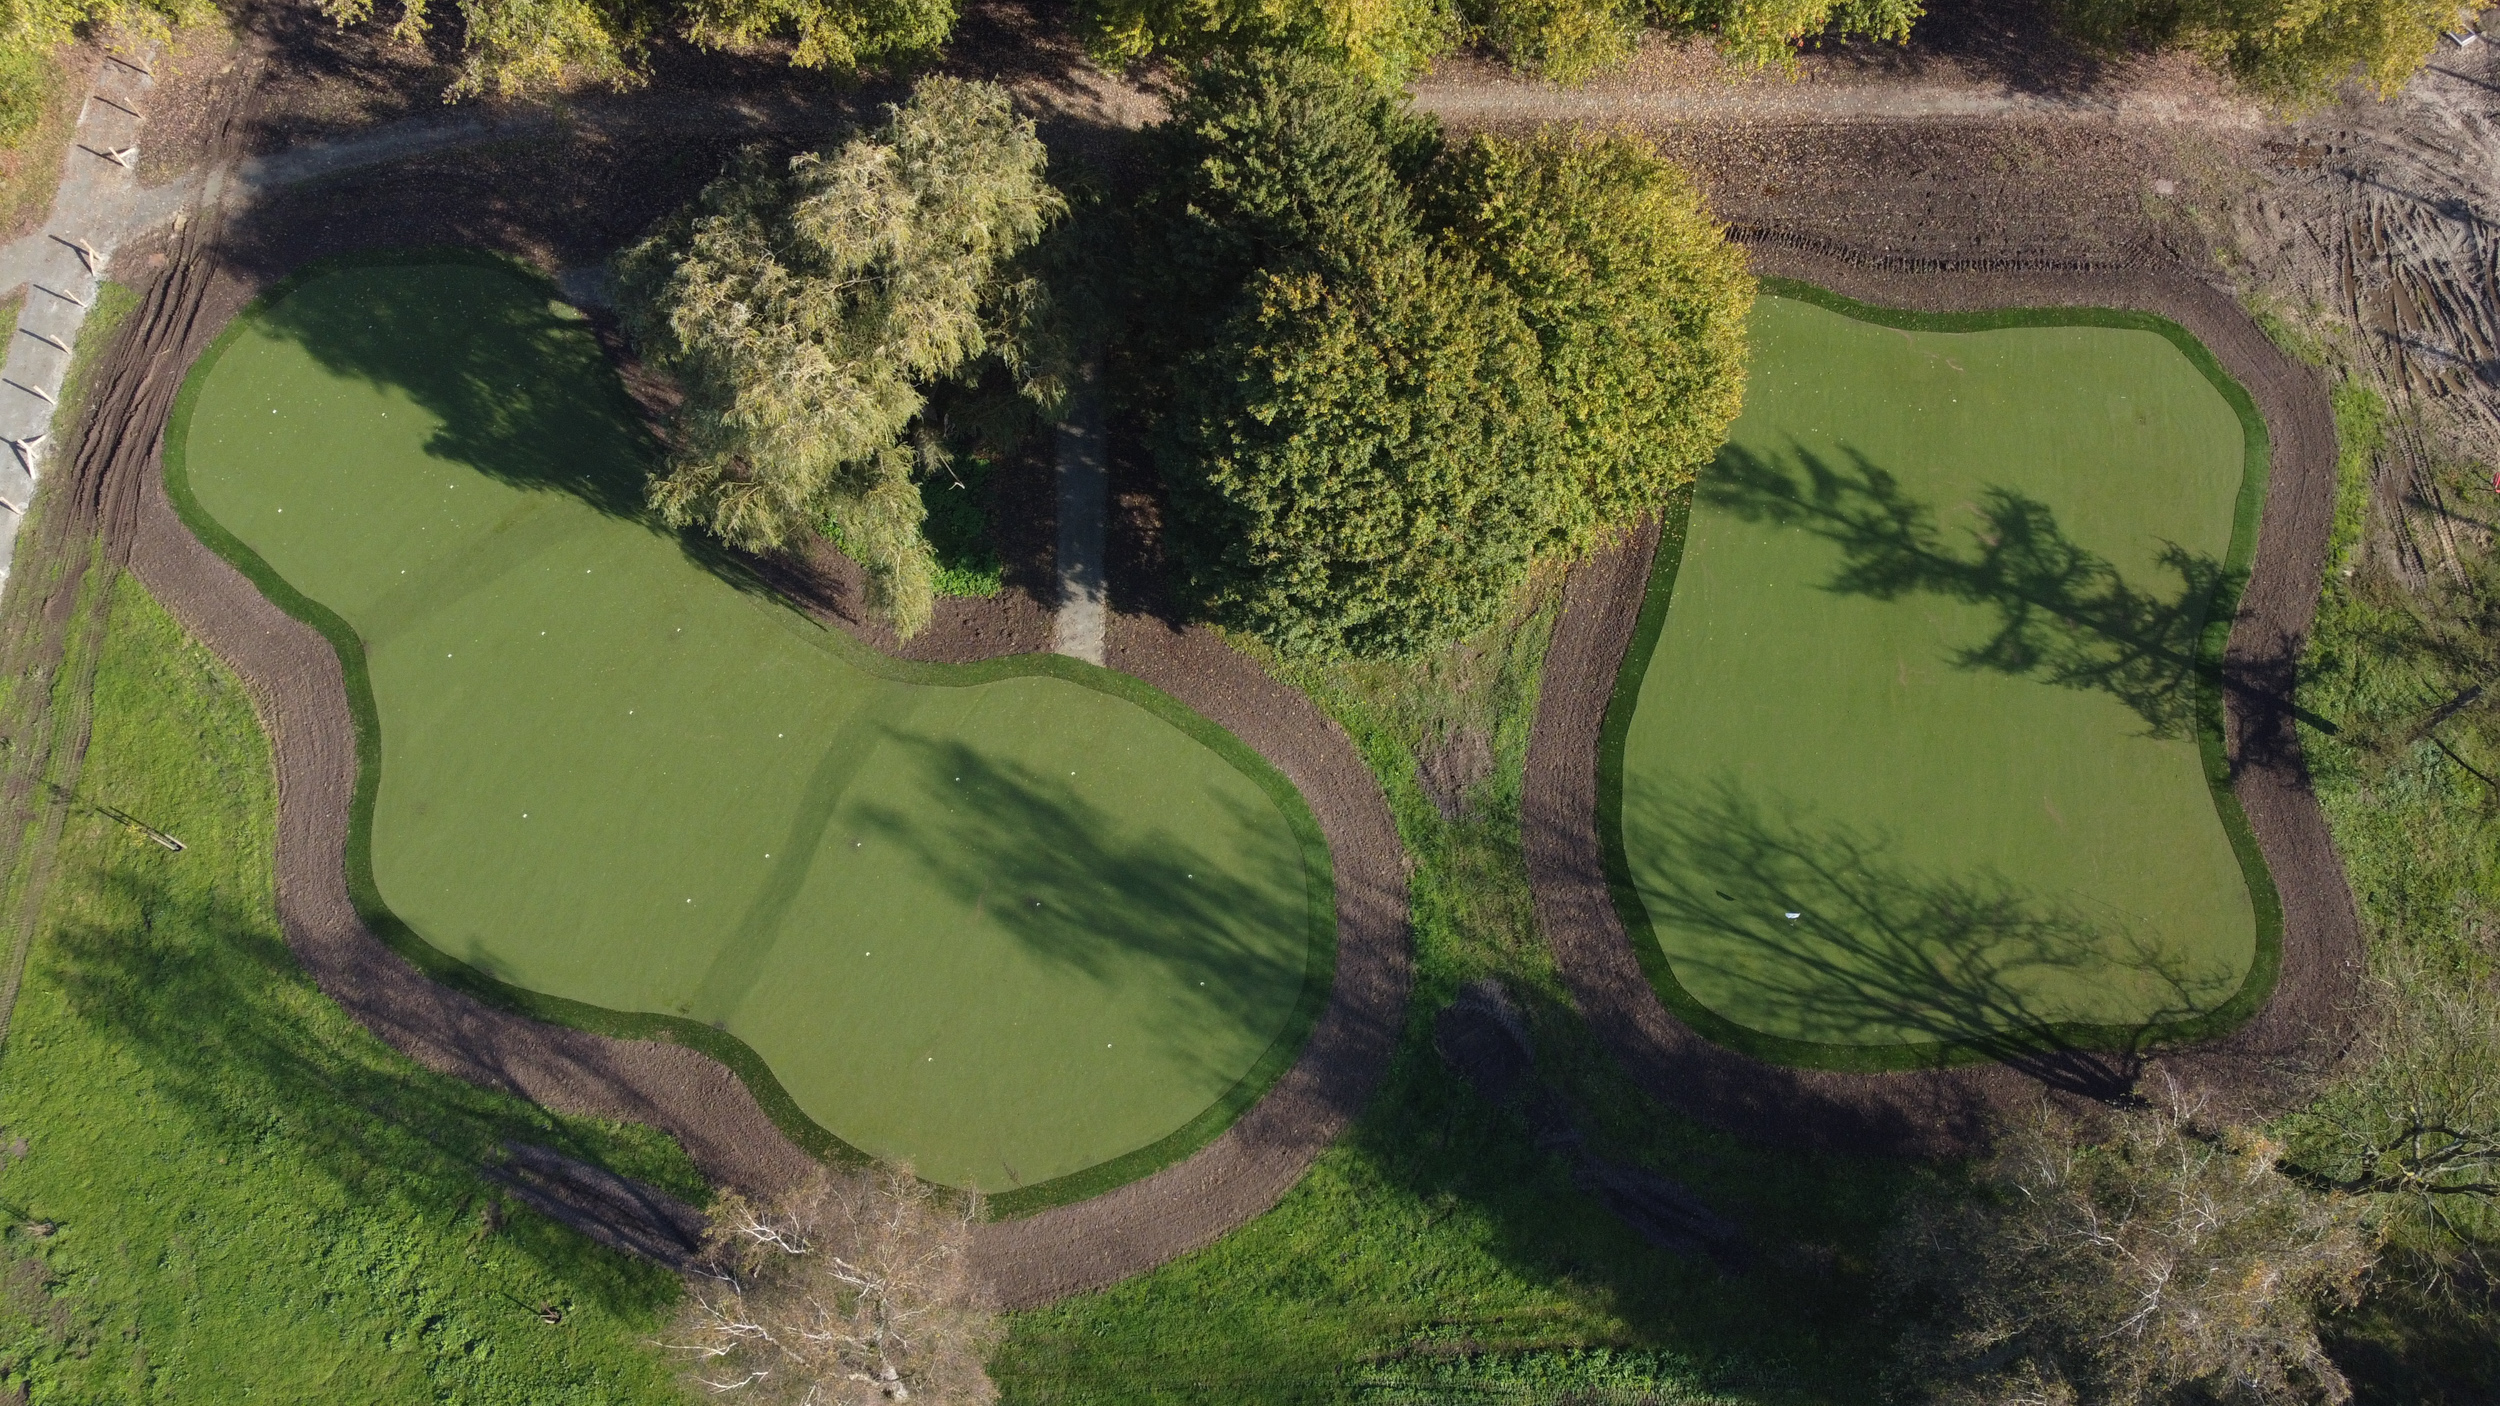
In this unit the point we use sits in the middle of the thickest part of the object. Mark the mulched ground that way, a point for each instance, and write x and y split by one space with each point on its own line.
2272 1060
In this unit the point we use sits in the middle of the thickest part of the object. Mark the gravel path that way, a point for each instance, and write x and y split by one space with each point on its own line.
2273 1059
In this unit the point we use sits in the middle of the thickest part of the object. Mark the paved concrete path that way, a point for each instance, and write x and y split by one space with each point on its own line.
61 266
1084 493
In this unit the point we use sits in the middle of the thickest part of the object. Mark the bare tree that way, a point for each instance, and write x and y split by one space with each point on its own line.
2163 1263
848 1290
2414 1125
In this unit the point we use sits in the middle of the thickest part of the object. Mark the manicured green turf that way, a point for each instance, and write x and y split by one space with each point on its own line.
1002 923
216 1187
1930 681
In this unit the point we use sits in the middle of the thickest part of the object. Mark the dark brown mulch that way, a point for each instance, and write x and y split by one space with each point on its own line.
2272 1060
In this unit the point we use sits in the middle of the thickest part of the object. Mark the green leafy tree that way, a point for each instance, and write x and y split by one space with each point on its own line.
2161 1263
2293 51
515 47
1768 33
805 309
1385 42
1350 421
1357 464
1638 301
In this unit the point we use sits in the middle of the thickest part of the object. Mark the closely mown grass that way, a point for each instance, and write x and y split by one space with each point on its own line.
2419 834
1434 1254
214 1185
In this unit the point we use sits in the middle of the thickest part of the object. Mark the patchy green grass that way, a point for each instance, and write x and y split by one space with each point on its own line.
113 305
2291 334
2421 850
215 1186
1434 1254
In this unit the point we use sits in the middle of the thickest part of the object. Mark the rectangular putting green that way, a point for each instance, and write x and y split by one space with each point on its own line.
1911 760
1012 922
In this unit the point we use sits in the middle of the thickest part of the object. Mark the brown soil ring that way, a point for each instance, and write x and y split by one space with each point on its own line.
299 693
2281 1051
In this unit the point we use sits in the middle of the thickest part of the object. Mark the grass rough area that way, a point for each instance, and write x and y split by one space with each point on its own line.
1920 762
1436 1254
216 1186
1007 922
2416 830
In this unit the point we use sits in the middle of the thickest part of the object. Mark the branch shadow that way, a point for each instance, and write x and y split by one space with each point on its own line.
2065 616
1877 945
1080 886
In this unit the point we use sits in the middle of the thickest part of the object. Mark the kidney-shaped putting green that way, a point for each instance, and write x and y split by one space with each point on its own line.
1005 924
1914 757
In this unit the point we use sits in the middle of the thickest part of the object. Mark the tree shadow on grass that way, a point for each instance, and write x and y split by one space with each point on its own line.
517 383
207 998
2065 616
1088 890
1903 956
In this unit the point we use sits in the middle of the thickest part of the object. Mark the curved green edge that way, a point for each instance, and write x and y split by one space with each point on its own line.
1807 1054
1320 961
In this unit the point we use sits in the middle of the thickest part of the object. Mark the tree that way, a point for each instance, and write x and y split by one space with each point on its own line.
849 1289
1356 468
1272 159
1382 42
513 47
2162 1264
1638 301
2292 51
1768 33
2414 1126
1349 421
805 309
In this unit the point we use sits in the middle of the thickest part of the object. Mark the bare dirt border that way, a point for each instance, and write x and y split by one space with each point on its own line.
299 692
2300 1030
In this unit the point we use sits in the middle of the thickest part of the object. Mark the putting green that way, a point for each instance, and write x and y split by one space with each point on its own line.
1910 762
1010 922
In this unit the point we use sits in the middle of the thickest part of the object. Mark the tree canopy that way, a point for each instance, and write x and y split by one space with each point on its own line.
805 307
1385 375
1637 301
2292 51
513 47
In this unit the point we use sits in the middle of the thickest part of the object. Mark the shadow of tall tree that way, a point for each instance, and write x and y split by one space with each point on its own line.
1896 954
1096 892
2065 615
